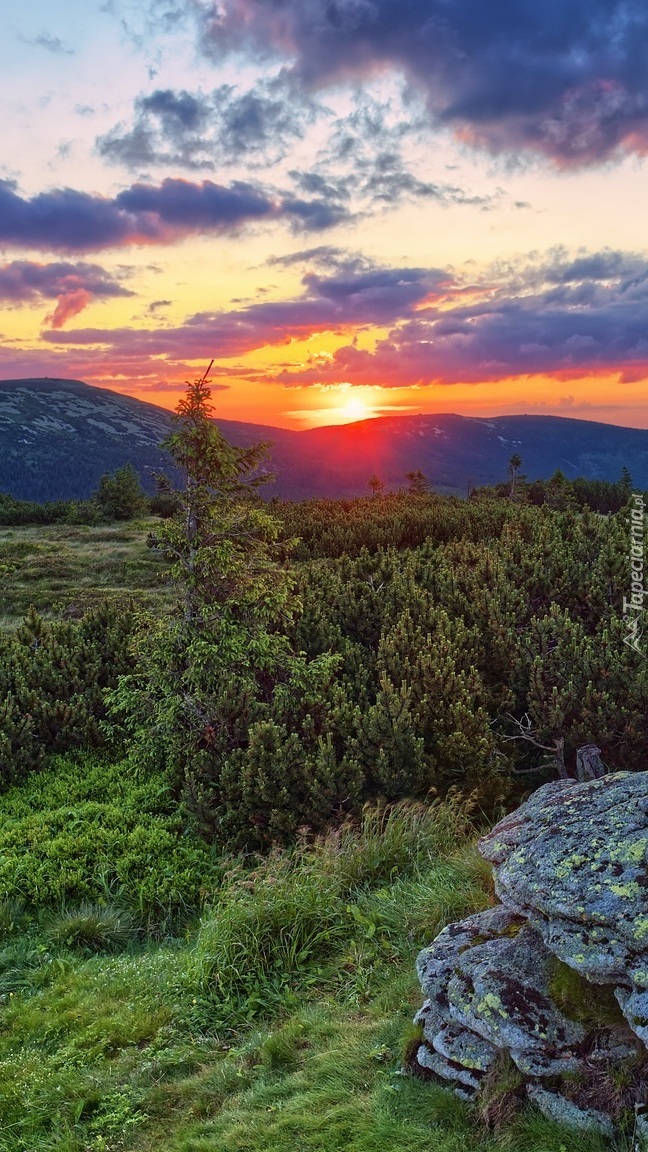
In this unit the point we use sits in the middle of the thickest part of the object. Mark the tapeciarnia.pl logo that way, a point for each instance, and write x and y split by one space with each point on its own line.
633 605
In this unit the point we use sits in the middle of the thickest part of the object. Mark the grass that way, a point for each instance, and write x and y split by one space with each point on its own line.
90 928
65 570
277 1024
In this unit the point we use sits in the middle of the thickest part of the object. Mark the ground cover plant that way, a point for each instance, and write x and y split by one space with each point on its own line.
85 831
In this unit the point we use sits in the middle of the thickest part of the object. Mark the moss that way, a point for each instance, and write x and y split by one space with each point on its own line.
592 1005
410 1045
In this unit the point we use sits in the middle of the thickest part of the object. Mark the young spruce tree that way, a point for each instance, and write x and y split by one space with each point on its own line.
218 698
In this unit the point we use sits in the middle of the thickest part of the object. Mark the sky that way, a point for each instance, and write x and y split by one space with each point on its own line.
353 207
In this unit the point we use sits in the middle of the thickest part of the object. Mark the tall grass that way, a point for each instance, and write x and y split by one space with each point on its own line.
288 924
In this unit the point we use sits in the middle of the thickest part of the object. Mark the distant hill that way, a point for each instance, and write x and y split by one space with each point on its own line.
58 437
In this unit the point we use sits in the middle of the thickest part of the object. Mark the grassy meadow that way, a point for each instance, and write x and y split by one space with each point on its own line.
63 570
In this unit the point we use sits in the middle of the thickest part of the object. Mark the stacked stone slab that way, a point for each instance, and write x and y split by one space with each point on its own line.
571 873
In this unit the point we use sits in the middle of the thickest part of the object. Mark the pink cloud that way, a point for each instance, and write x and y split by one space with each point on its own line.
68 305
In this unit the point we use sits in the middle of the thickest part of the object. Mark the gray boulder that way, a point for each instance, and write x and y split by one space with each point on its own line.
571 872
573 860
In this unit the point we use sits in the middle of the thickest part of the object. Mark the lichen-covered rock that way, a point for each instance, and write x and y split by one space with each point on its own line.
556 1107
571 871
500 990
462 1047
432 1060
487 981
435 965
634 1006
573 860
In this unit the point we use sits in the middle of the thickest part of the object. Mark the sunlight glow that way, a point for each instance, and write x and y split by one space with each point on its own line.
354 409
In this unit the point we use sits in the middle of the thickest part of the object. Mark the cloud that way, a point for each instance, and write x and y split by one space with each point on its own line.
69 306
348 299
24 281
71 221
198 130
564 78
326 254
525 327
563 315
49 43
73 286
362 160
259 127
134 373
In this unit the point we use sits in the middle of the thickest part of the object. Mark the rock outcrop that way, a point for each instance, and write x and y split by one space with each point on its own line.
555 978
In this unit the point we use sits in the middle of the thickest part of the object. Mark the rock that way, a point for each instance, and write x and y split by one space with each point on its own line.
573 860
434 1062
437 964
634 1006
500 990
571 872
487 980
460 1047
563 1111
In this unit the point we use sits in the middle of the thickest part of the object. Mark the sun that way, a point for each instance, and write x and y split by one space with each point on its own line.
354 409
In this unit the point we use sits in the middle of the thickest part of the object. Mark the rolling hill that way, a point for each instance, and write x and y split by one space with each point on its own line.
58 437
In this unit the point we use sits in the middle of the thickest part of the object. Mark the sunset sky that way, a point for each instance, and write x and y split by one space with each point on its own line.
353 206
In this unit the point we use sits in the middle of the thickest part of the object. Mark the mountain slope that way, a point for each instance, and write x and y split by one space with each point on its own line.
58 437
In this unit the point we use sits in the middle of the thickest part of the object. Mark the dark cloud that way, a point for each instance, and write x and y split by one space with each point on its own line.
562 314
198 130
564 78
67 220
563 319
334 303
363 160
169 128
326 254
314 215
259 127
25 280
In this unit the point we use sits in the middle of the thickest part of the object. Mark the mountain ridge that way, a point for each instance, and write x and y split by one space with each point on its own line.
58 437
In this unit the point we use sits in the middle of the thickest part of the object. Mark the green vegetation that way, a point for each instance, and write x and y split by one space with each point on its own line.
84 830
52 683
278 1021
64 571
239 797
119 496
603 496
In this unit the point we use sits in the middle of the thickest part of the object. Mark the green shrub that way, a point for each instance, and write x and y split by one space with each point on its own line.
52 680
